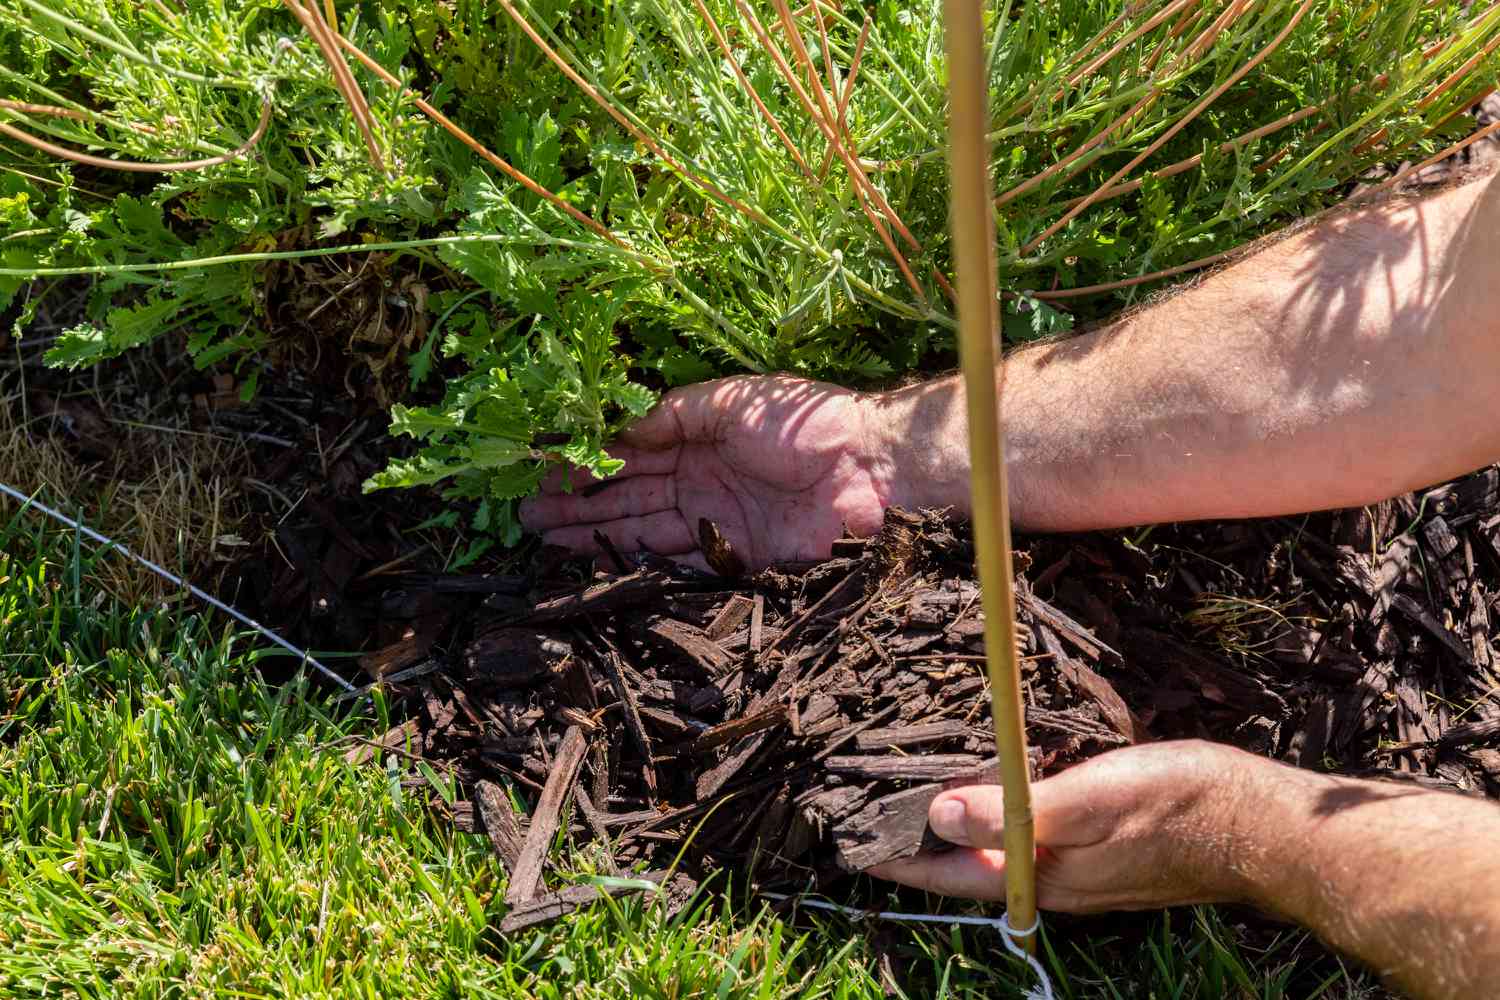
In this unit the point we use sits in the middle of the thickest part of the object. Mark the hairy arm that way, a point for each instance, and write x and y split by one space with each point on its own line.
1353 361
1399 877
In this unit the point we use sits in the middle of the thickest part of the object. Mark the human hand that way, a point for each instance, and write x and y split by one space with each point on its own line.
781 465
1139 828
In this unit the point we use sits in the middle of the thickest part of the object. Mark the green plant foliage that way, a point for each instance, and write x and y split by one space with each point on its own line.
726 252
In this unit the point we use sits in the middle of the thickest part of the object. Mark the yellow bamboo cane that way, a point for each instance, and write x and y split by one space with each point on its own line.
978 319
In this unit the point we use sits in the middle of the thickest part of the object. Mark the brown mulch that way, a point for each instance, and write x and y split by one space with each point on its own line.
792 725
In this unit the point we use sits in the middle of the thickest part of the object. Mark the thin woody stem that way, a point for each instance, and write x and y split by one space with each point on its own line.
1178 126
136 166
829 128
702 183
790 76
974 254
343 80
468 140
1097 139
765 112
843 109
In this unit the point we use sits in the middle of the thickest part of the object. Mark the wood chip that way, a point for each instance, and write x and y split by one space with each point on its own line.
555 905
526 875
499 819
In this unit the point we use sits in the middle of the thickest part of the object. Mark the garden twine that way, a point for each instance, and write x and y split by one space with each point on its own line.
1009 936
178 581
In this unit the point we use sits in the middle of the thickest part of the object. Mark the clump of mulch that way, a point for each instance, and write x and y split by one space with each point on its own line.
794 724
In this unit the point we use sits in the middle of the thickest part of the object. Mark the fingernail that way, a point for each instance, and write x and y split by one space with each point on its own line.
947 819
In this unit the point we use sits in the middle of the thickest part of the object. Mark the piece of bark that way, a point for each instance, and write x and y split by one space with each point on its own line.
1414 611
757 623
612 595
1094 688
896 826
711 781
1352 712
1310 741
717 552
614 668
727 732
1440 537
1479 627
555 905
410 650
910 736
1081 638
514 657
692 644
393 738
898 767
500 825
526 876
730 617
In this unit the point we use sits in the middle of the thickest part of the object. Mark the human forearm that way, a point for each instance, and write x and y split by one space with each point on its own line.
1401 878
1351 362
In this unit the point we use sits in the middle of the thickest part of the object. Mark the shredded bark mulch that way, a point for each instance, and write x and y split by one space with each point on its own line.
794 724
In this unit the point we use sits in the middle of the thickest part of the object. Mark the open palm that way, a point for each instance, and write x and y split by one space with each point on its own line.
780 465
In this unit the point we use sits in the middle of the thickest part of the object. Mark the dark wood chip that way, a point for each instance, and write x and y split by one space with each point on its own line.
500 823
911 736
526 875
545 909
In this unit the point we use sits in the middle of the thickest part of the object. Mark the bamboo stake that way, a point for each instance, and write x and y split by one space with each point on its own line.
978 324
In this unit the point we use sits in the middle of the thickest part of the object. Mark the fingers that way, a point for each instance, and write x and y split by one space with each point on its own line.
664 533
970 817
967 872
614 500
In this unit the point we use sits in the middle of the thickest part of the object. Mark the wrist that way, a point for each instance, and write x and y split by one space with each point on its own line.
917 446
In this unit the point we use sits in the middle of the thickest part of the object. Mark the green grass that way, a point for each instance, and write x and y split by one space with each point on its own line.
173 826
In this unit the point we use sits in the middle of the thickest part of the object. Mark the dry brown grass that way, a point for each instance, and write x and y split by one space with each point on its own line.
171 495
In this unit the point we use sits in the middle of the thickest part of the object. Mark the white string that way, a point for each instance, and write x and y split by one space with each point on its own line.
176 580
1009 936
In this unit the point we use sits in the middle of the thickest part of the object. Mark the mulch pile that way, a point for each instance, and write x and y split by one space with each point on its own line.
794 724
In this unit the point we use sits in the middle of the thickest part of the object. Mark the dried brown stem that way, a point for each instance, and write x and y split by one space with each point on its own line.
1098 137
1067 293
790 76
1111 286
739 74
828 125
1178 126
468 140
1026 103
843 109
1182 166
702 183
343 80
139 167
